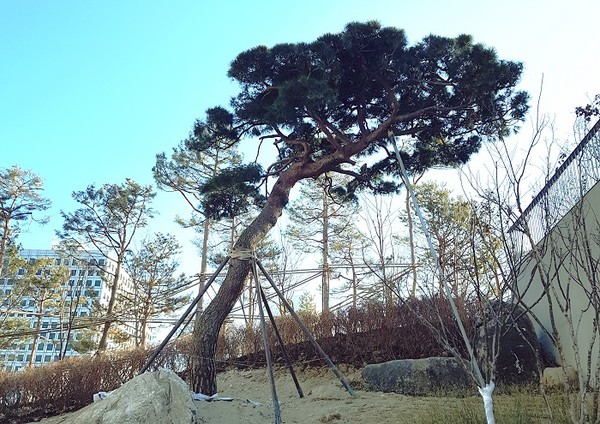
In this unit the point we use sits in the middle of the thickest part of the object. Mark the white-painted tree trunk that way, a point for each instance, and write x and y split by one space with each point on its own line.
488 402
487 389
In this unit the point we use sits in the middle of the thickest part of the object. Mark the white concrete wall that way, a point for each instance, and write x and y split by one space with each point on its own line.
568 255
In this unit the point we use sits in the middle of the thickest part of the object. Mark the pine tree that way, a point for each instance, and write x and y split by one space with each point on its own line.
332 104
157 290
206 151
20 200
42 282
107 222
318 218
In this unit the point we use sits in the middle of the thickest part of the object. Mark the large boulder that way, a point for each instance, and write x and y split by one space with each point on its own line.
518 359
160 397
418 376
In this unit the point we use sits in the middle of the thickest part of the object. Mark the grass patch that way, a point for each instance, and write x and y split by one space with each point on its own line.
517 408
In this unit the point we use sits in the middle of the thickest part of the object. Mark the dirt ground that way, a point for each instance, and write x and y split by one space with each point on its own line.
325 400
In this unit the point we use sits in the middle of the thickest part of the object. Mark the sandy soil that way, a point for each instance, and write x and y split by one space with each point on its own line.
325 400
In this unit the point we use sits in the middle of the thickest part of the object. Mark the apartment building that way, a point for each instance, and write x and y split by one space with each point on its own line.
87 288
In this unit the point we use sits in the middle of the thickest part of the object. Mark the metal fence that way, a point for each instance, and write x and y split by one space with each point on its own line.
569 184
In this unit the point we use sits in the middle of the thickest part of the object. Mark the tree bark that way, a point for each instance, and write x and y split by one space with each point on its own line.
325 256
203 264
202 364
36 335
103 344
4 243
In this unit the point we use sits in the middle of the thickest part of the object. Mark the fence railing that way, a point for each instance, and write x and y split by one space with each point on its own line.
569 184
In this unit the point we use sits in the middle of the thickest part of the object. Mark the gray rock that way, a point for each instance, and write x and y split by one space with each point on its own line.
160 397
417 376
559 378
518 357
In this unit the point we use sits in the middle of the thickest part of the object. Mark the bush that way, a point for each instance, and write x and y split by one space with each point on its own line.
370 333
65 385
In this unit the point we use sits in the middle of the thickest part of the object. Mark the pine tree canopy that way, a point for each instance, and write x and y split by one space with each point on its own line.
336 105
445 95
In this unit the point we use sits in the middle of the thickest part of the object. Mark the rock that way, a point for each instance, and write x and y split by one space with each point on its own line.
518 358
160 397
417 376
557 377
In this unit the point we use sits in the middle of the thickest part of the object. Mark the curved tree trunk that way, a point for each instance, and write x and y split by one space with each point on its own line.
202 369
206 331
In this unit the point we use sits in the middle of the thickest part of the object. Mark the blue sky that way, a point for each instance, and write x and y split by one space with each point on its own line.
91 91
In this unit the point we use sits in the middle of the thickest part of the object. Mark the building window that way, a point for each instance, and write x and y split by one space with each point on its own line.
38 358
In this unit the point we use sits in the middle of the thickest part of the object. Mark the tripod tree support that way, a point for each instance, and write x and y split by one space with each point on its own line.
281 344
184 316
263 327
316 345
262 300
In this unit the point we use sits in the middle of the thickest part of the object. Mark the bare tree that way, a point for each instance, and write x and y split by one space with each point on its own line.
558 280
380 229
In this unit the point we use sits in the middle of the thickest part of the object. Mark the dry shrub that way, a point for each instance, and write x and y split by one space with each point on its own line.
370 333
65 385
